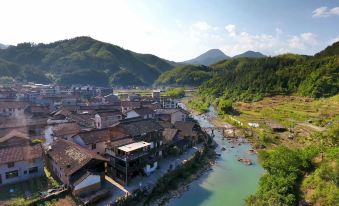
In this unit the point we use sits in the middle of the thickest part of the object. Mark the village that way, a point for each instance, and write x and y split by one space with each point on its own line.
91 143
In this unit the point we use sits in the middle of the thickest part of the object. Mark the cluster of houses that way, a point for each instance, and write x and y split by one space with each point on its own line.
82 134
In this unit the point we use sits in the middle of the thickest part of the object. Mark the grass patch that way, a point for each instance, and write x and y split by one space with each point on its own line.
198 104
24 192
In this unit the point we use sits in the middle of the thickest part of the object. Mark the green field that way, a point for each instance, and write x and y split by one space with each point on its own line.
302 117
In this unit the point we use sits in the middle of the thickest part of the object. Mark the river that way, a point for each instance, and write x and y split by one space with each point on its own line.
229 182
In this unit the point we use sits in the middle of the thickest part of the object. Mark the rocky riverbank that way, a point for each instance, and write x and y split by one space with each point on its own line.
184 186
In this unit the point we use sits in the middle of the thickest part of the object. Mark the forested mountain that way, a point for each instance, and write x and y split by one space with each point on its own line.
81 60
250 54
187 75
254 78
210 57
330 50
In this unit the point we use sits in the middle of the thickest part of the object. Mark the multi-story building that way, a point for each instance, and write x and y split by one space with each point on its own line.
138 153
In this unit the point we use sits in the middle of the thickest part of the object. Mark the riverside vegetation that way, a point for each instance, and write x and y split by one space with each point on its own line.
301 94
178 179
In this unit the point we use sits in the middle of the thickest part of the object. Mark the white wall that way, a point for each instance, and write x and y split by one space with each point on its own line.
22 166
59 173
100 146
132 114
90 180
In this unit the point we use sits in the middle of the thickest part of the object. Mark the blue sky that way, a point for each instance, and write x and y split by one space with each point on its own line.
178 29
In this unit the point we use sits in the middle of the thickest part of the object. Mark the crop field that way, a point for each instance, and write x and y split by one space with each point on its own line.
302 117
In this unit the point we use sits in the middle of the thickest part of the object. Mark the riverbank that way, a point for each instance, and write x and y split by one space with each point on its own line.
204 165
229 182
174 183
289 130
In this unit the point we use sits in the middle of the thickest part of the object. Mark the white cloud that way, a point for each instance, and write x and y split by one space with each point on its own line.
204 26
278 31
231 29
238 41
303 41
325 12
335 11
242 41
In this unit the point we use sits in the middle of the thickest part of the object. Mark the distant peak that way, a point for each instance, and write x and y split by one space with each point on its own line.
250 54
214 51
209 57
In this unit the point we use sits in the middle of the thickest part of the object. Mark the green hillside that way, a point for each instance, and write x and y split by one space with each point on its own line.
330 50
188 75
78 60
252 78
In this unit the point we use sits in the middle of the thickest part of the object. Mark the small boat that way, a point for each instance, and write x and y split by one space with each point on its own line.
223 149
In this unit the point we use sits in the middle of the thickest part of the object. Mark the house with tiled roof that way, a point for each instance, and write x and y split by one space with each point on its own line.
80 169
128 105
173 140
94 140
66 130
143 112
12 108
20 159
188 130
172 115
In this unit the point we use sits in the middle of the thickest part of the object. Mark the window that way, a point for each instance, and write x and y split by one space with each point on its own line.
12 174
33 170
11 164
94 146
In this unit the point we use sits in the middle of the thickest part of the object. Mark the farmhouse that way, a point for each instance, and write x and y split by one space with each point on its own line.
78 168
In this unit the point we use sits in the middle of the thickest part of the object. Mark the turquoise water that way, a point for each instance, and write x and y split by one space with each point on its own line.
230 181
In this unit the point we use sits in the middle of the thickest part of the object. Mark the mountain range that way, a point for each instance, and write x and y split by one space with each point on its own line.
215 55
207 58
81 60
250 54
253 78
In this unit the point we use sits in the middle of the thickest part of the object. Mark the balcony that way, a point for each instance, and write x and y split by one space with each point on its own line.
129 157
